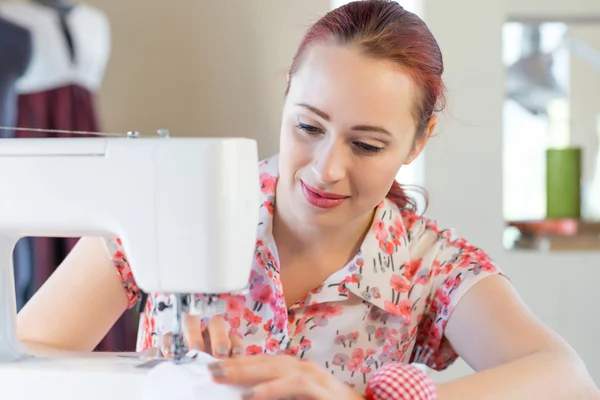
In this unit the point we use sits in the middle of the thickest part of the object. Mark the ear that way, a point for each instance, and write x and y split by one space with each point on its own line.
422 141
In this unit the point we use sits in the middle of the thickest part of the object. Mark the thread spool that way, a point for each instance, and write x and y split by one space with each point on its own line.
563 183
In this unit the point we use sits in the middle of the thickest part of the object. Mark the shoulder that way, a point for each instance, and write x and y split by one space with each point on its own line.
410 253
440 245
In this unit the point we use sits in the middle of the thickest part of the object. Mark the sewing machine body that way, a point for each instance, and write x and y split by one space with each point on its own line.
72 376
186 210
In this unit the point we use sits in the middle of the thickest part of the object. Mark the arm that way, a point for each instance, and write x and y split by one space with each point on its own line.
516 355
78 304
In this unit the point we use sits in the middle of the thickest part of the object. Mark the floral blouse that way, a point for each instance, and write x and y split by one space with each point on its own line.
390 303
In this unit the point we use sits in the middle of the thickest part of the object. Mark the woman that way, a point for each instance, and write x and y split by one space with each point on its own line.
347 276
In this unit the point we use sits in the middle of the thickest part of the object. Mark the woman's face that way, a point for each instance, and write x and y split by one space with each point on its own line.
347 128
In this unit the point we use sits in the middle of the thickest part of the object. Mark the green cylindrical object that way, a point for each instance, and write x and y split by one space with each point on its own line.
563 183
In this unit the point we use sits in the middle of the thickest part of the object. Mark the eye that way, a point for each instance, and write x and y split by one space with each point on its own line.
312 130
368 148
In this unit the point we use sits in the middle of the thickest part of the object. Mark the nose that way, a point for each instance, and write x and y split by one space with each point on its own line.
329 165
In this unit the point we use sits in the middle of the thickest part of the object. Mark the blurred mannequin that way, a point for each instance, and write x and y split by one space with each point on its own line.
15 53
71 49
71 44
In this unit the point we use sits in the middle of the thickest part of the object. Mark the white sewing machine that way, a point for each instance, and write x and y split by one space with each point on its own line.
185 208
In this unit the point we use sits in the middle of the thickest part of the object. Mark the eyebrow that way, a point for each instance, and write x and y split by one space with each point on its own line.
363 128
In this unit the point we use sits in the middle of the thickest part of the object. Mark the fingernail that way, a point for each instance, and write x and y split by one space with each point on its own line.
216 370
237 351
247 394
222 350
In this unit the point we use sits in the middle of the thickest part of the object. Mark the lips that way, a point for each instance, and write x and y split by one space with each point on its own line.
321 199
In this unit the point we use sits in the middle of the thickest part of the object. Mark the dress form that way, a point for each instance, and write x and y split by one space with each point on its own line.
15 53
71 43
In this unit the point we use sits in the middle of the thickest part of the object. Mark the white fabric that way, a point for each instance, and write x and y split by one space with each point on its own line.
188 381
51 66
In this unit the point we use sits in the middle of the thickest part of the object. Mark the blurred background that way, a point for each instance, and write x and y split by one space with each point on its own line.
515 166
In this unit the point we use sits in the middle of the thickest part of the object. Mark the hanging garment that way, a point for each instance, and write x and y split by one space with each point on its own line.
57 92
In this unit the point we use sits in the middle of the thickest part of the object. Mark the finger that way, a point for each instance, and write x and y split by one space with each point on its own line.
252 370
237 345
165 345
218 331
192 328
296 387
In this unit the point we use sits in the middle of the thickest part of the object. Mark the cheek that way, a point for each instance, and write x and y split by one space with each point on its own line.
373 182
294 153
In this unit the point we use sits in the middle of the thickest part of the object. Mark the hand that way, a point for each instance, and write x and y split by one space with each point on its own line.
215 338
275 377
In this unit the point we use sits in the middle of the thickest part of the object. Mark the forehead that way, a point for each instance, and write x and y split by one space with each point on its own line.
353 88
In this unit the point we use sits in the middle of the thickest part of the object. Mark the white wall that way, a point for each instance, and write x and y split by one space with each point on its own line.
463 168
585 101
202 68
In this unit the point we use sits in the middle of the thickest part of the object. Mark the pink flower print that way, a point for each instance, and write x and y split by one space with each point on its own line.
333 310
359 262
395 235
267 183
375 292
451 282
358 354
399 284
319 322
442 297
423 276
388 247
260 260
340 339
443 269
234 305
251 330
374 314
411 268
268 326
268 255
402 309
292 351
354 365
340 360
305 345
280 317
380 335
379 230
272 345
234 323
405 307
253 350
365 370
261 294
248 314
300 326
352 338
269 206
399 225
323 309
256 278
